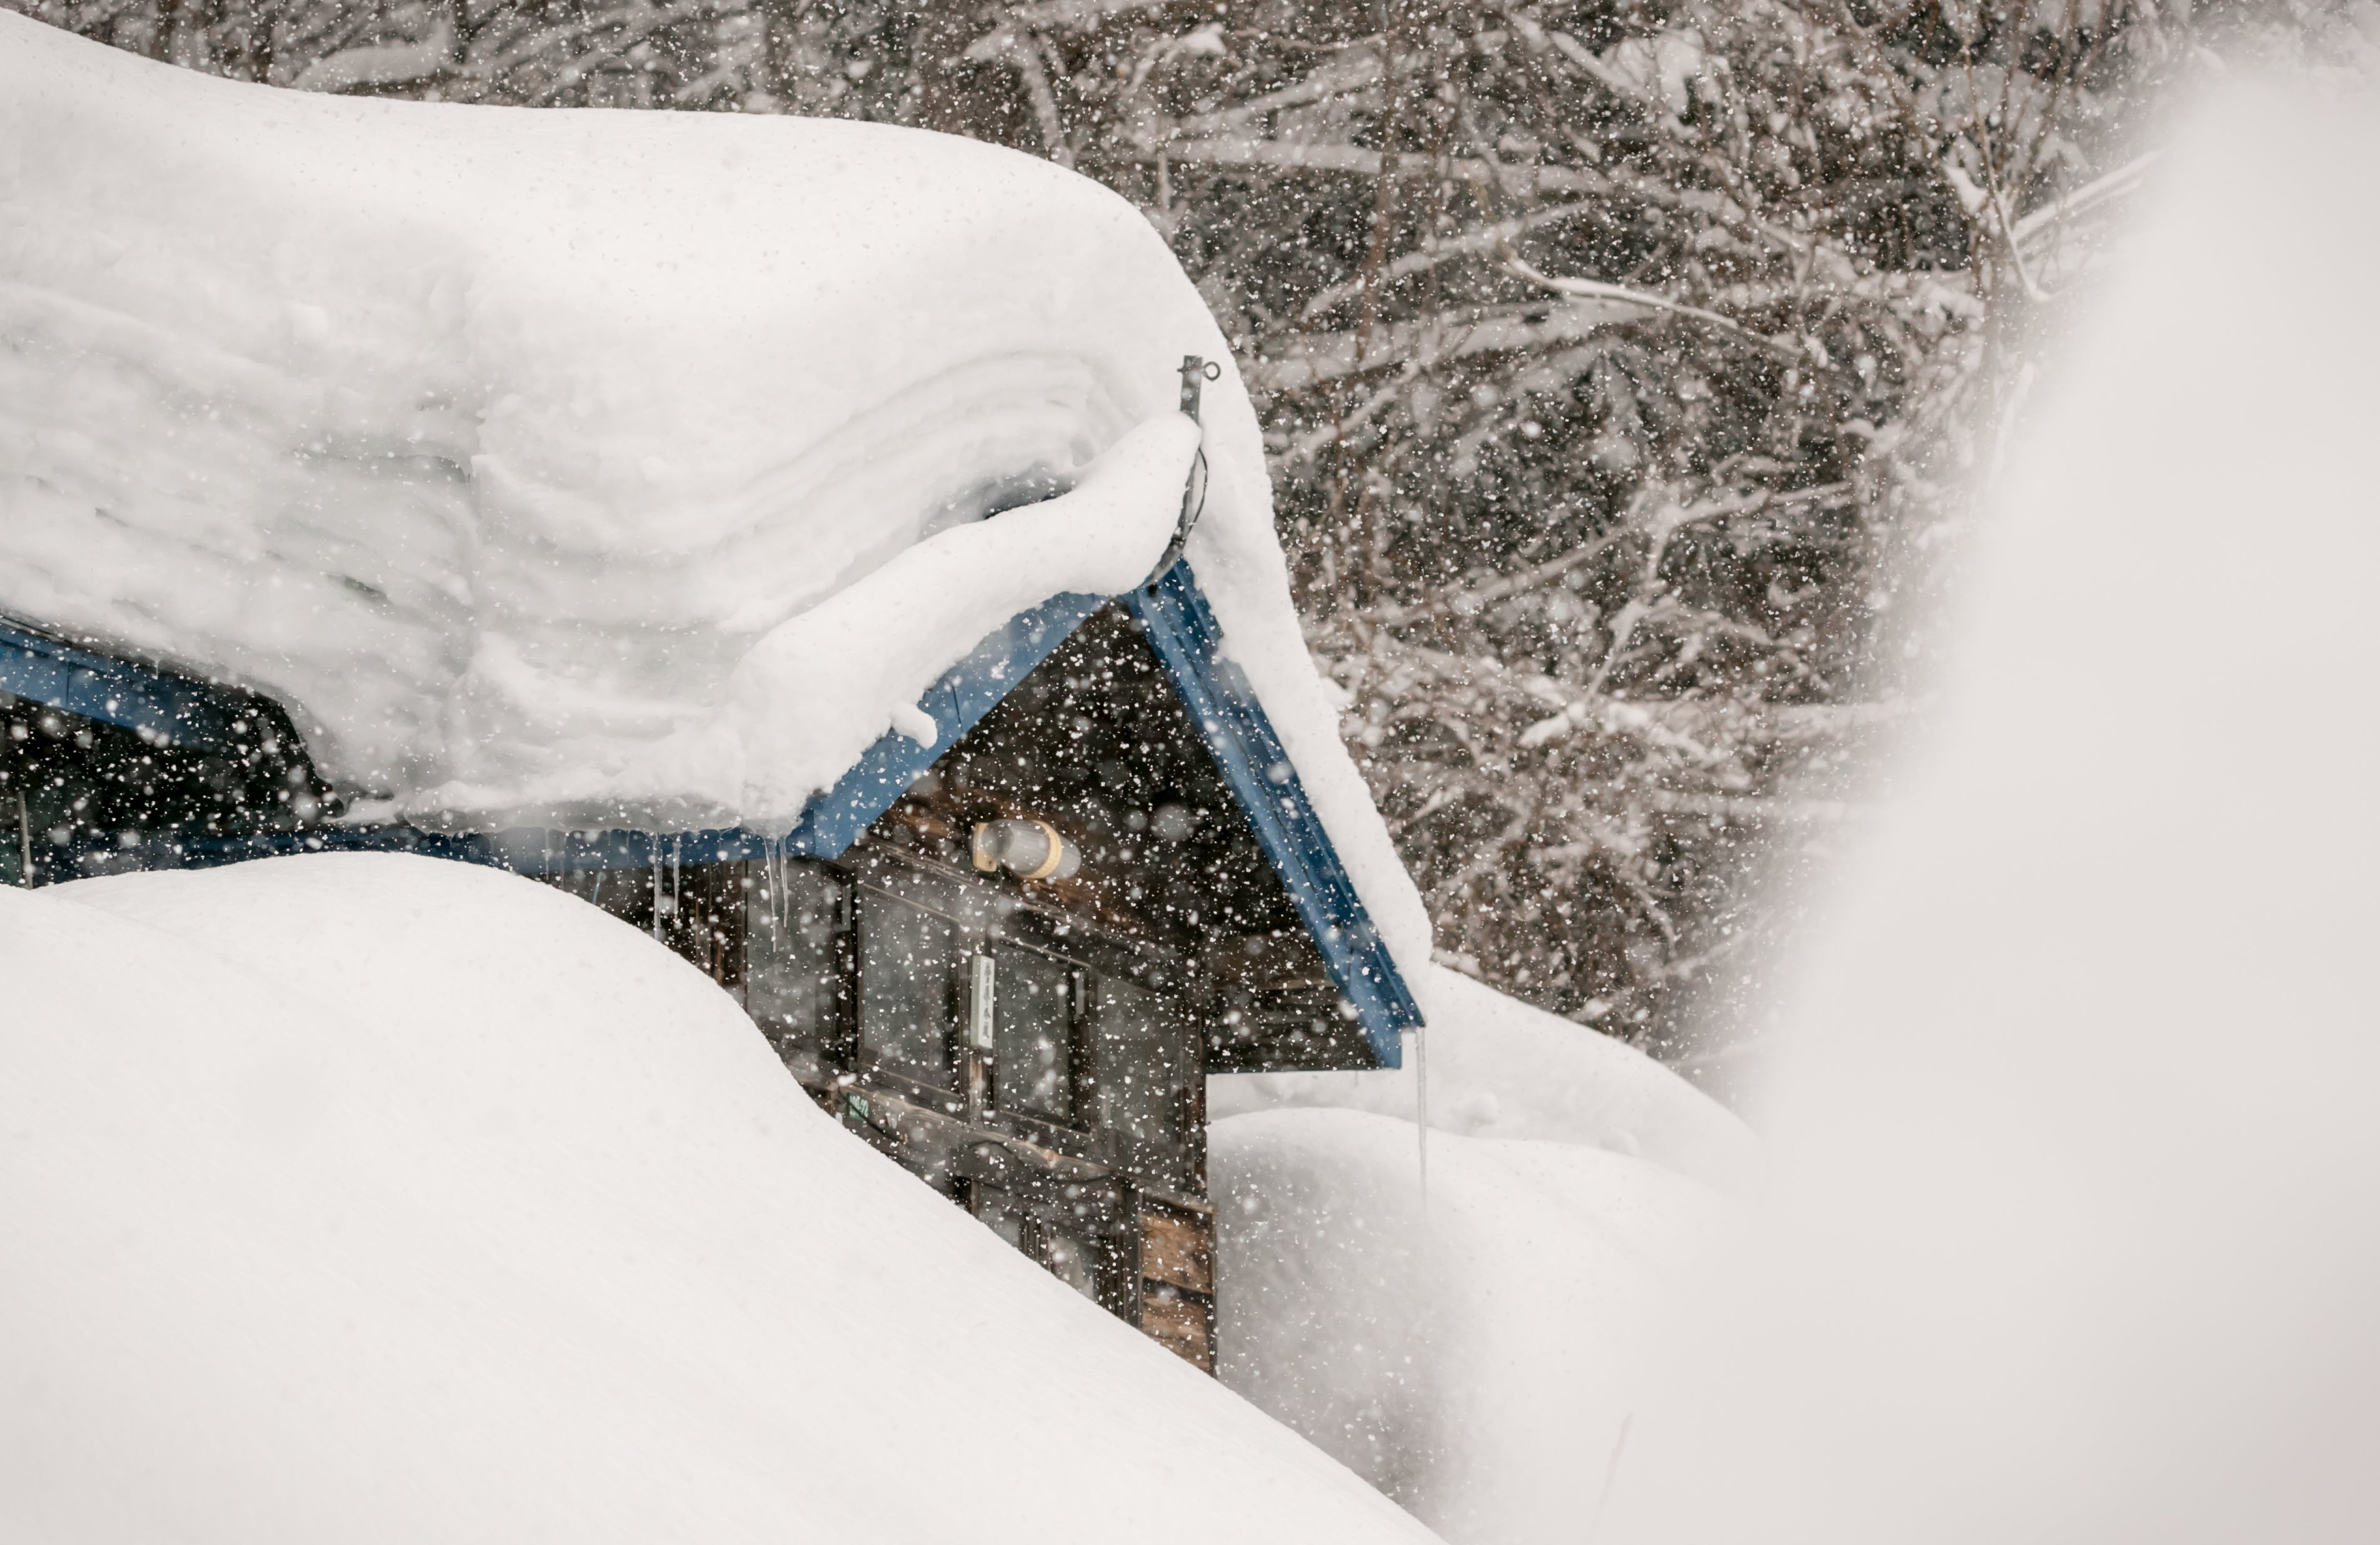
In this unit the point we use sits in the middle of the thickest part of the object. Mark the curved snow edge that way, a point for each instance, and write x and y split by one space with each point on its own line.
1499 1067
815 692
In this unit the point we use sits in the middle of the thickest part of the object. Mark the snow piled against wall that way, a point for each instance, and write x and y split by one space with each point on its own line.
1499 1067
371 1197
1476 1358
2073 1231
512 449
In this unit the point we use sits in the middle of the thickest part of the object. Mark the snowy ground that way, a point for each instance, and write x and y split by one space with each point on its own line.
1477 1356
371 1197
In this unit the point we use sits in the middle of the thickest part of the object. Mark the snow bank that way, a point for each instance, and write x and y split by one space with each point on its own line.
1478 1360
1498 1067
2074 1231
511 450
371 1198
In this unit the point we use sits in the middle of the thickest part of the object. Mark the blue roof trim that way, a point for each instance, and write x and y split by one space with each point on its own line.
1182 629
1172 612
155 704
968 690
523 850
830 824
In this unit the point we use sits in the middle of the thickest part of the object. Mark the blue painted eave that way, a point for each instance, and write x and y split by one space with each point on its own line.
156 705
1238 733
1173 612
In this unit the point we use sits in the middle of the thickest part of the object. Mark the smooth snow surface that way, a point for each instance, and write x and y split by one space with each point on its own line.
589 468
1499 1067
371 1198
2074 1231
1477 1359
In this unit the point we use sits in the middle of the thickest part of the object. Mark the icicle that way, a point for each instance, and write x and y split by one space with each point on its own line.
1421 1111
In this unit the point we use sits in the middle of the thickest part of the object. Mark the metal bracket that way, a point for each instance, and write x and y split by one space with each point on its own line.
1196 372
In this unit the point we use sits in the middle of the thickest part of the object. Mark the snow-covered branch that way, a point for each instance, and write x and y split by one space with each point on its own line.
1620 295
387 64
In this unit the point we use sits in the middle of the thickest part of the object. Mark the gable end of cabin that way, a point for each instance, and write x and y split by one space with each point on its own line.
1007 960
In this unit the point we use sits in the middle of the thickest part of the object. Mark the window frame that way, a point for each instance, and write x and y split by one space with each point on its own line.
955 1051
985 917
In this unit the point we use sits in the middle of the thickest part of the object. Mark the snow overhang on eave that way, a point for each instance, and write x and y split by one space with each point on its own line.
156 705
1182 633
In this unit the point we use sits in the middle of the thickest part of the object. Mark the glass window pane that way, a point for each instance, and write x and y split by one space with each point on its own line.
1033 1063
790 971
908 967
1144 1062
1001 1215
1071 1260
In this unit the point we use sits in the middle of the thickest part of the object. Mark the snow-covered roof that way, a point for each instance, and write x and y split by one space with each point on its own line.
583 468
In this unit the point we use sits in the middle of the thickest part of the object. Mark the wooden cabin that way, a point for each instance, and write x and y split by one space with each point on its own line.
509 471
1008 964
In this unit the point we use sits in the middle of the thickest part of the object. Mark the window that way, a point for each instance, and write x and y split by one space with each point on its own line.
909 988
1144 1061
1032 1059
1069 1256
791 971
1000 1213
1072 1260
81 797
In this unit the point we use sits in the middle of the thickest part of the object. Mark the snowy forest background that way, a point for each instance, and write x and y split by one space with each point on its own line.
1625 367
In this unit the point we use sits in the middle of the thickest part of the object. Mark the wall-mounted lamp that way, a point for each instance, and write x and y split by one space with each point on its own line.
1028 850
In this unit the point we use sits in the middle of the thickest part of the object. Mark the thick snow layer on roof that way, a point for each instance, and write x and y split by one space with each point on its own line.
594 468
1499 1067
369 1197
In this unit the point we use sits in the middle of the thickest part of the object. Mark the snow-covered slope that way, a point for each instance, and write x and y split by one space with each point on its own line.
369 1198
1498 1067
1477 1357
513 450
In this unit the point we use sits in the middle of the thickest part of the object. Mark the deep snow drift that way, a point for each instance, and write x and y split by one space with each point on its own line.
371 1197
1478 1359
1498 1067
589 468
2075 1221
